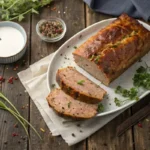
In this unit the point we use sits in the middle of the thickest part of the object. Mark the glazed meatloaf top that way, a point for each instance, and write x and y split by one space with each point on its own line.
115 45
66 105
80 87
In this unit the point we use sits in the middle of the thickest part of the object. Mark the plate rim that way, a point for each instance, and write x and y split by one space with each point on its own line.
57 51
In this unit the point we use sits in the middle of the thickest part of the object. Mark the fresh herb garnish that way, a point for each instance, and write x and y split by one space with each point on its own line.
16 114
17 9
141 69
97 58
92 57
81 82
131 94
100 107
53 85
69 104
75 47
142 78
117 102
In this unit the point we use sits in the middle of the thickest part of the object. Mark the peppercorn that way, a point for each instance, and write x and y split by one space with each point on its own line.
51 29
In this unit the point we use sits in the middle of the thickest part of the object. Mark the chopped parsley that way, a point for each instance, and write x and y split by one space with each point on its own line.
142 78
81 82
69 104
100 107
53 85
75 47
131 93
92 57
97 58
117 102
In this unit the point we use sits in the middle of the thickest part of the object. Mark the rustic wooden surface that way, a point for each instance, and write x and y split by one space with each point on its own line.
77 16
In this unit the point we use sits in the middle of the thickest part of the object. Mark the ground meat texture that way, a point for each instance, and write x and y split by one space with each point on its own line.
66 105
78 86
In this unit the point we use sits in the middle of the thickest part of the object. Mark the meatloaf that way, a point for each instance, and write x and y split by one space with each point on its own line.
78 86
66 105
113 49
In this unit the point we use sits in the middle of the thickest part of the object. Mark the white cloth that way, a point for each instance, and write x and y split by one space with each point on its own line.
35 82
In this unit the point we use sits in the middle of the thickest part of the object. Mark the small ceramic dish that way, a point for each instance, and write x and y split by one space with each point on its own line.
12 44
47 38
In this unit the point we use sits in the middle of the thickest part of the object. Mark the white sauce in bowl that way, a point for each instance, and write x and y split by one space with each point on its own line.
11 41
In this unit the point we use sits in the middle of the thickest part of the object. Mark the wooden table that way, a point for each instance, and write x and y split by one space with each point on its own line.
77 16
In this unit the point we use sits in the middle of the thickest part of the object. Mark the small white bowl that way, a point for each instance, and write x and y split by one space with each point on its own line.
48 39
21 52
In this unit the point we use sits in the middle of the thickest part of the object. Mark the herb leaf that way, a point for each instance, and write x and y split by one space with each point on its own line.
97 58
17 9
117 102
69 104
75 47
20 17
81 82
142 78
53 85
131 93
100 107
141 70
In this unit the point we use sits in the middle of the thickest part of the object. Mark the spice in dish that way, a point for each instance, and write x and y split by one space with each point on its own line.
51 29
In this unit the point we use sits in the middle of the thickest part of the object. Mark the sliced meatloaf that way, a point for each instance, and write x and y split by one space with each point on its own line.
78 86
113 49
66 105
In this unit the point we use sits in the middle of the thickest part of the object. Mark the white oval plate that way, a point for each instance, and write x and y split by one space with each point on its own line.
63 57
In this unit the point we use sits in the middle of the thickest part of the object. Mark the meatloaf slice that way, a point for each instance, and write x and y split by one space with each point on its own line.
78 86
113 49
66 105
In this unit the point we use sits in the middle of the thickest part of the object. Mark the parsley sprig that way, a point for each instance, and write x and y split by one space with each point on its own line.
131 93
140 79
80 82
17 9
100 107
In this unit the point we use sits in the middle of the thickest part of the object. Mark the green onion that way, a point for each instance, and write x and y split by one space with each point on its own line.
16 114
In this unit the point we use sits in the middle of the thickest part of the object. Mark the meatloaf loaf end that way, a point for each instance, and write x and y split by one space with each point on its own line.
78 86
113 49
67 106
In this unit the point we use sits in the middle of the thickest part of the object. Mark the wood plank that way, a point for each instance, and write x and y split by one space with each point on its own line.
15 92
72 12
142 135
106 138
